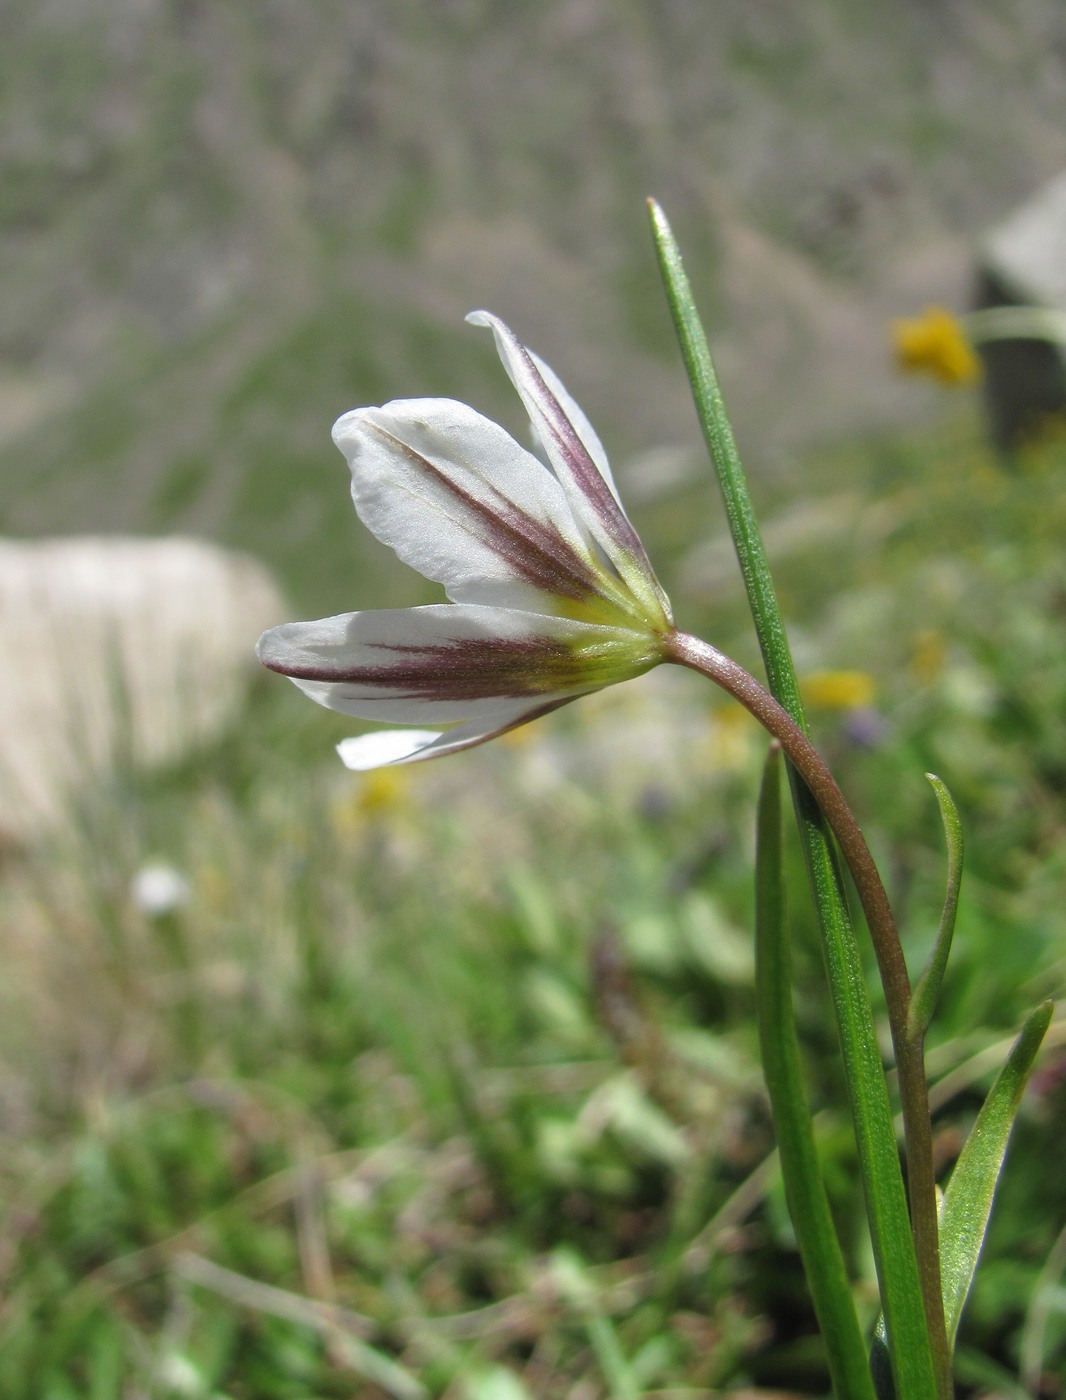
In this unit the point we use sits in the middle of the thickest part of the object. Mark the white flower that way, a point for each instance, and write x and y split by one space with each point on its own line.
157 889
552 593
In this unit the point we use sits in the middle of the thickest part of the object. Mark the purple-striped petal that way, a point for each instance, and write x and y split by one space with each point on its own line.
459 500
452 663
578 460
383 747
553 595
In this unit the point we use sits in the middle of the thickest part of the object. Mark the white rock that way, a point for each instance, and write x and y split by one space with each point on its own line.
1023 262
1027 251
117 650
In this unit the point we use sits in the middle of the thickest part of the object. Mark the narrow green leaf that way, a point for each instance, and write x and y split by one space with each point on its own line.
718 434
967 1202
886 1201
968 1197
804 1187
927 992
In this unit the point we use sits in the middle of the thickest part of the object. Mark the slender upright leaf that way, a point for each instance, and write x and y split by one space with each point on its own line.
804 1188
923 1002
897 1268
968 1196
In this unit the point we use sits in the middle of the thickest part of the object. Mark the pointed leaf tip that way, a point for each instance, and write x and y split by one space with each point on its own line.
927 991
968 1197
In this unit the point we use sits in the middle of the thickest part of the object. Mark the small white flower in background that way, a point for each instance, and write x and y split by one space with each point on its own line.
553 595
158 889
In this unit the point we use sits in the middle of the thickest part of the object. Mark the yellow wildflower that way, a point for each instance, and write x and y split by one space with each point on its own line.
382 794
728 743
928 655
838 690
935 343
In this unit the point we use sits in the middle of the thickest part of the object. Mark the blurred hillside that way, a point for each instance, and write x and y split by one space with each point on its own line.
223 224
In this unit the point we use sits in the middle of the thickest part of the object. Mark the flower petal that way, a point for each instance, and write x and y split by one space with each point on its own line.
394 746
458 499
384 746
452 662
580 463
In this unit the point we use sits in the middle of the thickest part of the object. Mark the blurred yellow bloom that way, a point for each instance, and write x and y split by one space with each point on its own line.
382 793
731 736
930 649
935 343
838 690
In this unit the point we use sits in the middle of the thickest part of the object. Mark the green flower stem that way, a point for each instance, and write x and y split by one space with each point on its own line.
807 1201
919 1352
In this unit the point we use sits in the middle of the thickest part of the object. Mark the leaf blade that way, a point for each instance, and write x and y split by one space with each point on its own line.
808 1203
927 991
897 1268
968 1196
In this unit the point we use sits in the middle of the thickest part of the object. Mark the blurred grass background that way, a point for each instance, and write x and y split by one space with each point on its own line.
223 225
433 1081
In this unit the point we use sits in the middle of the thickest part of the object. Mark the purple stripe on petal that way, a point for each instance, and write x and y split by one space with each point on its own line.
574 462
452 662
471 668
583 469
531 548
553 424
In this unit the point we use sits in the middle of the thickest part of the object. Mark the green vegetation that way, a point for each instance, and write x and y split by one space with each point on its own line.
444 1081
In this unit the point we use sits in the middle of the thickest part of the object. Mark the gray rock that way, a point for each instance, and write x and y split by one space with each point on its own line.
1022 262
117 650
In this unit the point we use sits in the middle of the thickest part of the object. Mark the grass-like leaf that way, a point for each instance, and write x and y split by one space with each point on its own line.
894 1254
923 1002
968 1197
967 1202
804 1186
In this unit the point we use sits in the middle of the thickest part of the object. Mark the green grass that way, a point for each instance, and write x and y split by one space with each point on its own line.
444 1081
